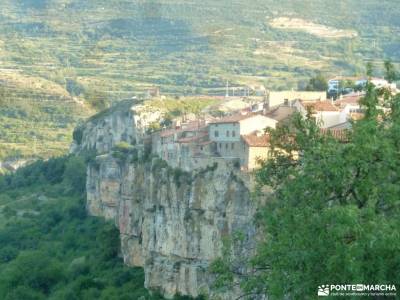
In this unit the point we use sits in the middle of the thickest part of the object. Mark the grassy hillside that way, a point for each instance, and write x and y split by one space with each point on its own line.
34 124
125 46
67 51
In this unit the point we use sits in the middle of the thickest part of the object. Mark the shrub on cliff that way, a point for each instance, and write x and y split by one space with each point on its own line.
77 135
181 177
158 164
123 150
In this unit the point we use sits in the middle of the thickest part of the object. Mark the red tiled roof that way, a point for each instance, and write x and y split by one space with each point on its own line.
168 132
339 134
192 126
253 140
351 99
319 105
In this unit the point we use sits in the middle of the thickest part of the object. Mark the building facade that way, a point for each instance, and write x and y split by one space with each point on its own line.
286 97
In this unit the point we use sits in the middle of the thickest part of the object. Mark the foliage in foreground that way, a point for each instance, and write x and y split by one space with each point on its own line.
50 248
334 217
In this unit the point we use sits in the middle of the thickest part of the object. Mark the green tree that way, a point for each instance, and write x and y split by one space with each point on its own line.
59 252
317 83
97 99
334 215
369 69
35 270
390 71
75 174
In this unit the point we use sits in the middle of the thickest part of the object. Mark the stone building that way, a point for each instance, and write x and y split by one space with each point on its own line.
224 138
286 97
255 148
177 145
226 133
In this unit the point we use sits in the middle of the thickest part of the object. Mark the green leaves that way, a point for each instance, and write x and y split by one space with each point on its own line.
317 83
334 215
390 71
56 251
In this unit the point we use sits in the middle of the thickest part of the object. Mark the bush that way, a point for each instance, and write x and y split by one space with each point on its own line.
8 253
123 150
181 177
75 175
77 135
158 164
123 147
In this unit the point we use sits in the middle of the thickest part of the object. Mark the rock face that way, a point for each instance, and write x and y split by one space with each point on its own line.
172 223
106 129
172 226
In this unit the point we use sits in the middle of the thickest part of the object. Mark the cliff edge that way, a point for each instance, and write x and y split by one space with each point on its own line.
173 223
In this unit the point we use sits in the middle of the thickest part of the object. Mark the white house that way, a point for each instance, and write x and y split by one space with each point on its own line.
383 83
349 107
325 113
333 84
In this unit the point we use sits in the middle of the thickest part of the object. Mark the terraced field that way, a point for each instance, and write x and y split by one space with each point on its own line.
98 51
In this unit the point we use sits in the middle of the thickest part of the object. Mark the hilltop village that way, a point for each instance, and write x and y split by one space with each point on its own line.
239 136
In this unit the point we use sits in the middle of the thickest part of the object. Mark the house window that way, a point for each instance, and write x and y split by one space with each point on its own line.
233 133
227 133
226 146
220 145
232 146
216 133
201 148
286 101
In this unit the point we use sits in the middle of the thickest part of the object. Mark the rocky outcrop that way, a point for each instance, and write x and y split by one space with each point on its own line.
104 130
173 224
126 121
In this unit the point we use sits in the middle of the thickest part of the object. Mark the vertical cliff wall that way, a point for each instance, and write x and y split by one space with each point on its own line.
173 224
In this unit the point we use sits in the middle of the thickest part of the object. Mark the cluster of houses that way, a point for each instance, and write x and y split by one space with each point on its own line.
343 84
241 136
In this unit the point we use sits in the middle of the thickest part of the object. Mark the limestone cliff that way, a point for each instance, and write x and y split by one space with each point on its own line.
104 130
173 226
126 121
172 223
